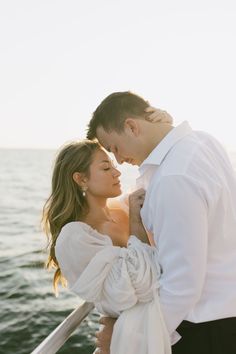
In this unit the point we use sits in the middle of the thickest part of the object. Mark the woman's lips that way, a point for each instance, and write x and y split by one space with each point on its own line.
117 183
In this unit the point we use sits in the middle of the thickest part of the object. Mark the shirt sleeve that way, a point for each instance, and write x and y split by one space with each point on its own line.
179 214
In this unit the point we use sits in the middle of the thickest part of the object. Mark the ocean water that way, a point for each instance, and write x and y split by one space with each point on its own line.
29 311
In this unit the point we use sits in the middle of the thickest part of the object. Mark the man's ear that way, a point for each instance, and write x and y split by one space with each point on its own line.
132 126
79 178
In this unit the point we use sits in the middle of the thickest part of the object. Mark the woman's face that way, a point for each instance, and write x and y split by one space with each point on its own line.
103 180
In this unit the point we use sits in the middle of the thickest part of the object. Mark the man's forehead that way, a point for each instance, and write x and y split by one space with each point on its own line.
104 138
101 140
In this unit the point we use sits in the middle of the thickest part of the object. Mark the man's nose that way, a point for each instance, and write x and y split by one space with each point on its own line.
119 159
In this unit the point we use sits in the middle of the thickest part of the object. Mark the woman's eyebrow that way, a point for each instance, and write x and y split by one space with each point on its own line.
105 161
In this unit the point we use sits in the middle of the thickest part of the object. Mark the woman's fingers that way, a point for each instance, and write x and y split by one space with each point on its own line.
158 115
106 321
103 336
137 198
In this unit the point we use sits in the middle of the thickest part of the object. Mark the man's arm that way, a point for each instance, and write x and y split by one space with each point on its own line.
179 213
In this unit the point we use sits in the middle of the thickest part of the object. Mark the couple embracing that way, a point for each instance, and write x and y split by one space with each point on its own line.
161 271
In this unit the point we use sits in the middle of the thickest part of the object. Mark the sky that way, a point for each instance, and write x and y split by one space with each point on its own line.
59 59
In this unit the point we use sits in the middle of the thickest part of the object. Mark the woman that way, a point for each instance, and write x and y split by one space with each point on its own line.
92 252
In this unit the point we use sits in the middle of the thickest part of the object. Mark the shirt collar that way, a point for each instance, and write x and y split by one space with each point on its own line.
161 150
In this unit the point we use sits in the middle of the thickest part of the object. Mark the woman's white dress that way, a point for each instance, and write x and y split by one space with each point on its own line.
121 282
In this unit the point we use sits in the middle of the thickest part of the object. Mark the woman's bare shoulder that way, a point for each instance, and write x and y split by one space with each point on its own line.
119 204
118 212
118 234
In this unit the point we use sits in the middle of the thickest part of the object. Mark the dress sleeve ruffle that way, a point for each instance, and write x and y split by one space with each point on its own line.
121 282
117 278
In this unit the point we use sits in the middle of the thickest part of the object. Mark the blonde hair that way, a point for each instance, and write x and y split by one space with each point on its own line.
66 202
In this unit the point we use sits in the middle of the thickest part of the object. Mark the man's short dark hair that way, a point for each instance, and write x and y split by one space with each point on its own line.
114 110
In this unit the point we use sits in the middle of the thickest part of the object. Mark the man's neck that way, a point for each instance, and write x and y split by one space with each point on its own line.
153 135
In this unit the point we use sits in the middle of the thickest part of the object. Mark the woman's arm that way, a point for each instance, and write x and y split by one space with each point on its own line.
136 227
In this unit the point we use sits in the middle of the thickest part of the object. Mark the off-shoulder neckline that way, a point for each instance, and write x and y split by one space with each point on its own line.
90 228
83 224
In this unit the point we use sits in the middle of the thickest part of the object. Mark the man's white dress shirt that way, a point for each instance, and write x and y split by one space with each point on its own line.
190 207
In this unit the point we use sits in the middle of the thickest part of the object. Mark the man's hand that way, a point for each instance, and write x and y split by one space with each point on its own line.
103 336
136 200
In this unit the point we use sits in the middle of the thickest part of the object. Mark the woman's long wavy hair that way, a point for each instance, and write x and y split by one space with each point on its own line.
66 202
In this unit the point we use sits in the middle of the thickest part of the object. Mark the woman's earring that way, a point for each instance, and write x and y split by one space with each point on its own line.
84 189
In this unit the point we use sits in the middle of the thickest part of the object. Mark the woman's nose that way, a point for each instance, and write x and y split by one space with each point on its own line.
116 172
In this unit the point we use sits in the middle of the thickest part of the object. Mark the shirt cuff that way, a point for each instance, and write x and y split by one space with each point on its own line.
175 337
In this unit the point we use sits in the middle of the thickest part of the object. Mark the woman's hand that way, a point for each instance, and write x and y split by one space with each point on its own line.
136 200
103 341
157 115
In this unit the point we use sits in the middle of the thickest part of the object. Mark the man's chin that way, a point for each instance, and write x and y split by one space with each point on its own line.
132 162
135 163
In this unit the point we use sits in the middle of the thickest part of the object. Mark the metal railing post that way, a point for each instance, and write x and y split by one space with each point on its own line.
59 336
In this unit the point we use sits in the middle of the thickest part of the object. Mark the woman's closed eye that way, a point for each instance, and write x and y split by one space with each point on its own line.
108 165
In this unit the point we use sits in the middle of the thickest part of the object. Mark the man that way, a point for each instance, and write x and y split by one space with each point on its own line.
190 208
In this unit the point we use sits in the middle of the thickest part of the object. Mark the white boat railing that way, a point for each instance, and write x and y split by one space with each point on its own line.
59 336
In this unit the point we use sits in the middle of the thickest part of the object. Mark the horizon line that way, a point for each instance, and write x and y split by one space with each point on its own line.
229 148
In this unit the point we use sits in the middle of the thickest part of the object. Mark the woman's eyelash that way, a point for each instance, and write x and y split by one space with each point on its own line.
106 169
